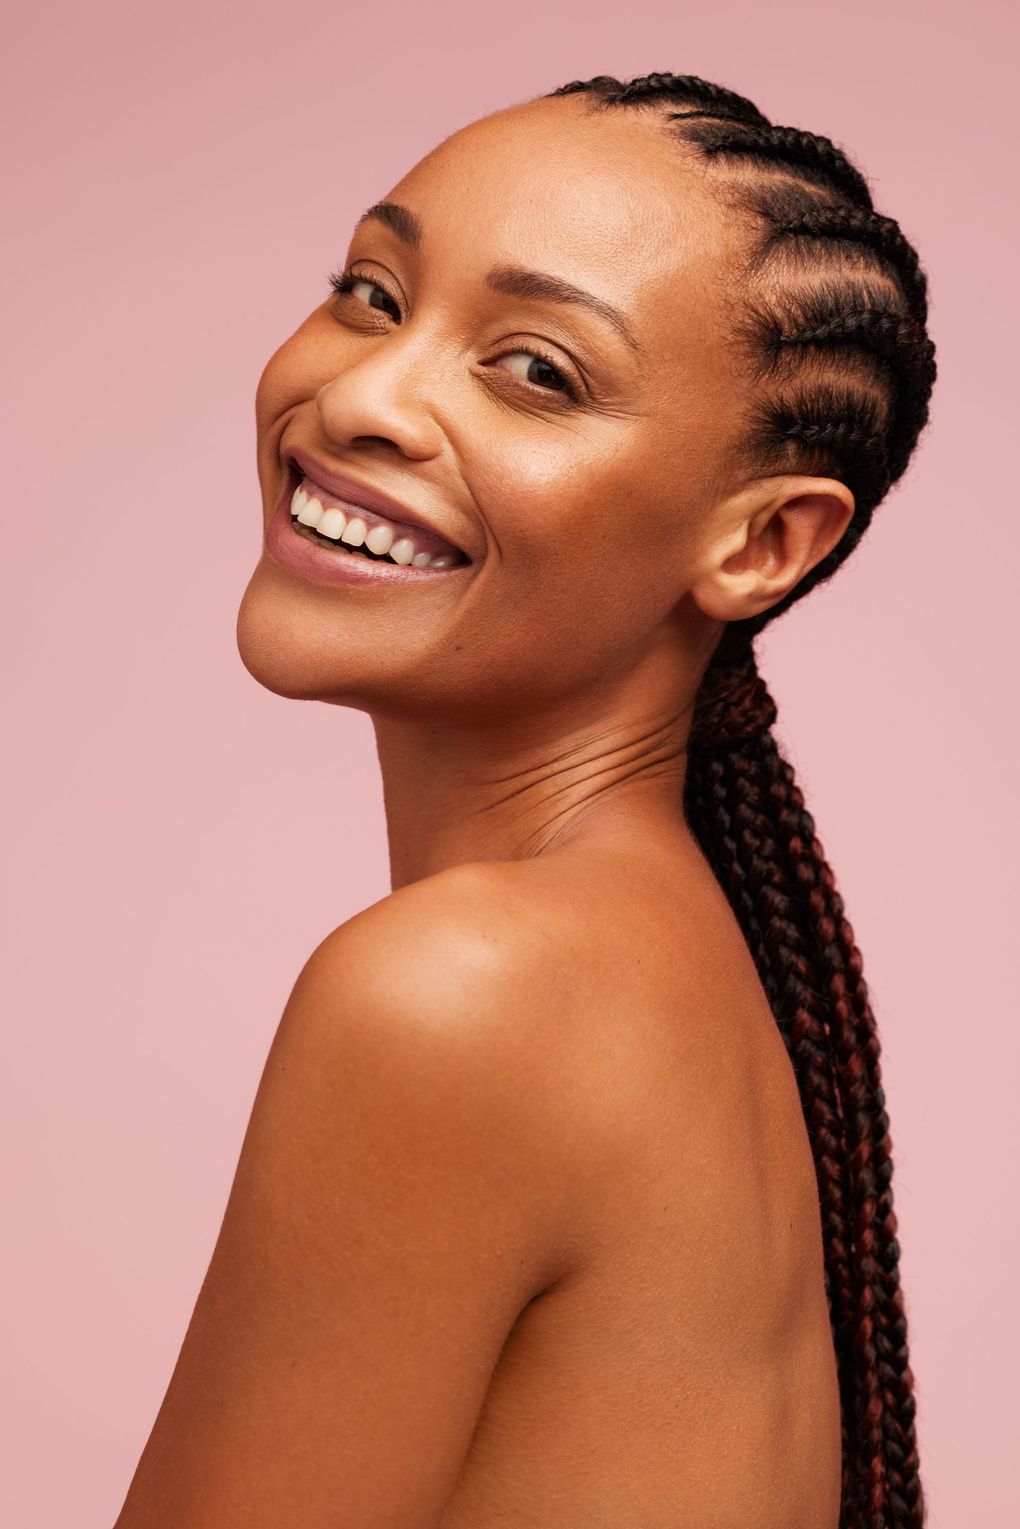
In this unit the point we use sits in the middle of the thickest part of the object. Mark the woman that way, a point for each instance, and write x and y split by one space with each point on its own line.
565 1200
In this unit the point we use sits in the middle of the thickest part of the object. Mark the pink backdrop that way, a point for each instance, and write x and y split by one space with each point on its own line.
181 183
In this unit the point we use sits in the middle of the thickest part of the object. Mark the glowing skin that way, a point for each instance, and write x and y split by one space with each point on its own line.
550 685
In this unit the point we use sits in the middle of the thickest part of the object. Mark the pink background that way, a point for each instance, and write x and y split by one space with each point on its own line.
179 839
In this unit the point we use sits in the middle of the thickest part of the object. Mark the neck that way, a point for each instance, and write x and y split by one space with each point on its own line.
599 768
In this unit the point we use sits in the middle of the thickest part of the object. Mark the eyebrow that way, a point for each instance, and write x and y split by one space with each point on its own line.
404 223
515 281
511 280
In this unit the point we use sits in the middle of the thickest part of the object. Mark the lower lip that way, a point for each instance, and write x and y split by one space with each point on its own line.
322 564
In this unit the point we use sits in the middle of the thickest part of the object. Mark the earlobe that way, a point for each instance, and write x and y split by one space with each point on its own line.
772 534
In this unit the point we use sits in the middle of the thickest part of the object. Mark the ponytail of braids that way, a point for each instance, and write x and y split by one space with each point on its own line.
832 328
747 812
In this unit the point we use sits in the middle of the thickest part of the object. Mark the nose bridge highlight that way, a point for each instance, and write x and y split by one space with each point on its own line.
382 394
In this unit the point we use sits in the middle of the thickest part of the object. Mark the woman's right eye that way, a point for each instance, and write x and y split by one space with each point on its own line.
366 291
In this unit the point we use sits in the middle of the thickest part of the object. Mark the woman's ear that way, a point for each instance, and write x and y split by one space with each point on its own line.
767 537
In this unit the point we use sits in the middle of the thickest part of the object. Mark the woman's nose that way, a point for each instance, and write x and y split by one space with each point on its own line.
380 397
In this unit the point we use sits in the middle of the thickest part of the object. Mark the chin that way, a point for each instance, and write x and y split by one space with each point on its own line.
272 641
302 653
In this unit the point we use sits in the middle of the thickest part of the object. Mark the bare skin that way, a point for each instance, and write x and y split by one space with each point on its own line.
525 1229
682 1372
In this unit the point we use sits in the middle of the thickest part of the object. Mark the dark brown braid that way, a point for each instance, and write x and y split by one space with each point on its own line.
831 328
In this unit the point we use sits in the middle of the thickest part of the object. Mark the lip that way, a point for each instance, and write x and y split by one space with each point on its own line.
350 491
321 564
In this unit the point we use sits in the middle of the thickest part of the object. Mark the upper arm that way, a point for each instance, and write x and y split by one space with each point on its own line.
396 1204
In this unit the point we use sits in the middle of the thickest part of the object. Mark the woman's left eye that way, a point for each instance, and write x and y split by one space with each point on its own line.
538 371
366 291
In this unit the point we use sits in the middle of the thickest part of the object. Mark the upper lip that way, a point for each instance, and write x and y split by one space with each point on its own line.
353 492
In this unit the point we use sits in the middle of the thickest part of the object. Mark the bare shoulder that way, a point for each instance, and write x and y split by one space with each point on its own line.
438 941
408 1183
596 1009
457 990
593 986
520 969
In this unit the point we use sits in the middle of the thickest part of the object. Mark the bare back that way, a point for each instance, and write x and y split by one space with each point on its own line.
682 1373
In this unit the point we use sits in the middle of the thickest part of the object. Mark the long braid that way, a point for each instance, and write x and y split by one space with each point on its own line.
830 319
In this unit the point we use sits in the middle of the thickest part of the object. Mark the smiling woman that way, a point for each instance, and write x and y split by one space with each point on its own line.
566 1196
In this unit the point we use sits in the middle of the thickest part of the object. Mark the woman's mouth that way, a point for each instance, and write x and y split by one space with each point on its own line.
328 542
322 518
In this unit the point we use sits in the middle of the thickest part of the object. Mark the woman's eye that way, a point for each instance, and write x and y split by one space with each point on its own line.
365 291
368 292
537 370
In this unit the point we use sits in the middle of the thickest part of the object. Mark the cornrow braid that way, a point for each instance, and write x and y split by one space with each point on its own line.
848 226
814 158
830 326
716 100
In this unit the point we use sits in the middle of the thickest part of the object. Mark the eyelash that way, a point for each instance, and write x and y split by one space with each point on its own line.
343 281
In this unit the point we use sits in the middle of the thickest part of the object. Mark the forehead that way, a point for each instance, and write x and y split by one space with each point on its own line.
608 200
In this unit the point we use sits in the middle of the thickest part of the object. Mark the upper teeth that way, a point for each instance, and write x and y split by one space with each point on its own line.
354 530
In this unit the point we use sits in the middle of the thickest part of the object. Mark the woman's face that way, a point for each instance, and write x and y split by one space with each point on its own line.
572 451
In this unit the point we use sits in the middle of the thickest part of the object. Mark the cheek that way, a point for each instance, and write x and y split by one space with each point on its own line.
590 557
595 506
293 374
278 388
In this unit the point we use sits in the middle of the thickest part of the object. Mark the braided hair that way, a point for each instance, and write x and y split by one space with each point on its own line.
830 314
